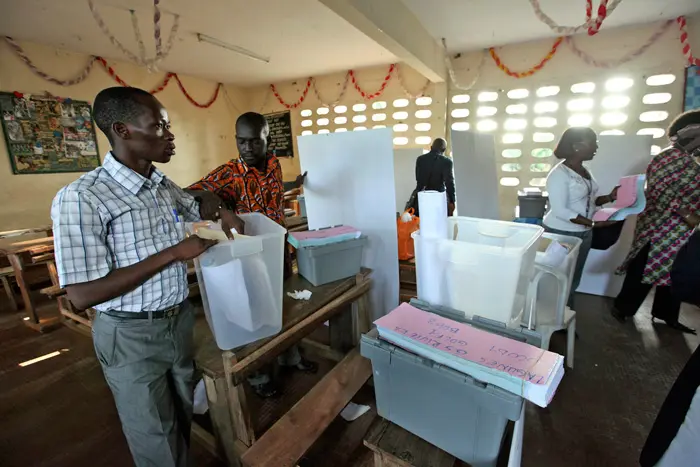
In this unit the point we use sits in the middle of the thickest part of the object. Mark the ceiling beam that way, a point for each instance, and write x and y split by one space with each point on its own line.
393 26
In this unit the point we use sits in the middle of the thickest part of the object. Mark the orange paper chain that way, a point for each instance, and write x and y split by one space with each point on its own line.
531 71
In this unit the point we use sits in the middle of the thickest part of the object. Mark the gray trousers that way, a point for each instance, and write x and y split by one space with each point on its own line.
149 367
586 239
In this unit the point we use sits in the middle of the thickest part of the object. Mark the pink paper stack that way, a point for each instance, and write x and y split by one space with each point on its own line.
515 366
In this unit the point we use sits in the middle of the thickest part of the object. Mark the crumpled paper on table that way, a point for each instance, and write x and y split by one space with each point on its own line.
300 294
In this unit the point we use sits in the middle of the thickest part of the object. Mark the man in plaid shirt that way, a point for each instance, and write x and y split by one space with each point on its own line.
121 249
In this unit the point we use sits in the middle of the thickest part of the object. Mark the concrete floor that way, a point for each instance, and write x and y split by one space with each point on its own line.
59 412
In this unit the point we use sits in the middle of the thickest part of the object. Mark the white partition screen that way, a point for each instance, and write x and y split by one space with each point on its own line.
349 182
617 157
476 175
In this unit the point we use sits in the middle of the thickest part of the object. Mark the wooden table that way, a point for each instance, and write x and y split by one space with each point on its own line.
395 447
22 254
225 374
47 230
408 287
297 223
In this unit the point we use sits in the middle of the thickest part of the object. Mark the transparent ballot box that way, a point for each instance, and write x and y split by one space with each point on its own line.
241 281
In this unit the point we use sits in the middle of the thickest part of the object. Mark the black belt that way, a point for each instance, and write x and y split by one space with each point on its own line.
160 314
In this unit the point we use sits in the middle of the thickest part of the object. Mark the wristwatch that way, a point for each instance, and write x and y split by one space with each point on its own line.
217 214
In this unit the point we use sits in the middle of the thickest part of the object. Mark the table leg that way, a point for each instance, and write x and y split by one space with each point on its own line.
238 403
341 330
221 421
53 274
18 266
516 445
363 318
10 294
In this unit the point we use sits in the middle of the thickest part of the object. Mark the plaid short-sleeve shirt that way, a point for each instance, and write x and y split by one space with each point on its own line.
112 218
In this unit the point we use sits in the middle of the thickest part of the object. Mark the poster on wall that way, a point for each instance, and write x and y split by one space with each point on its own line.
48 135
281 139
692 88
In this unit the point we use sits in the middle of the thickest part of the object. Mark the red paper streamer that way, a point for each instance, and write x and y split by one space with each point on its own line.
298 101
166 79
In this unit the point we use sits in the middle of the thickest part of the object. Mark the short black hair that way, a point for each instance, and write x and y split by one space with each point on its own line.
438 141
118 104
254 119
691 117
571 136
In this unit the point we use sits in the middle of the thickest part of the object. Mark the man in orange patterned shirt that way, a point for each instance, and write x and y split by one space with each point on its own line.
254 183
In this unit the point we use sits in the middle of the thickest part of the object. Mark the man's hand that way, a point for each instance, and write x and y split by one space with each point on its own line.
210 205
229 220
299 182
191 247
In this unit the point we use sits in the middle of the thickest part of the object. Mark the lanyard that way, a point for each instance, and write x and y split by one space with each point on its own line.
589 187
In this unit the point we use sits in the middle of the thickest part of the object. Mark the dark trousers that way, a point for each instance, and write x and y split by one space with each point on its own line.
676 420
634 292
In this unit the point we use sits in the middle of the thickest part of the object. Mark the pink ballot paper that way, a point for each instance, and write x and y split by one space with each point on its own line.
517 367
627 196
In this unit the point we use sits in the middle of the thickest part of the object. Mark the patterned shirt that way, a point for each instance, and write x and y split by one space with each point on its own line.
673 182
113 217
246 189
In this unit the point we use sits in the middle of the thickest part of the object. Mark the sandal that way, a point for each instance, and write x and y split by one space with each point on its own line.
265 390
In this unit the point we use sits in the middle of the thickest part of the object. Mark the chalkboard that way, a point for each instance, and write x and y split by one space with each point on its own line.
48 135
281 139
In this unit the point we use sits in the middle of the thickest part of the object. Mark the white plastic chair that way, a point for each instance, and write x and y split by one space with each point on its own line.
546 311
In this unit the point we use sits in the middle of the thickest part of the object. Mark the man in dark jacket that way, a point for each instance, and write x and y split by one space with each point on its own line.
434 172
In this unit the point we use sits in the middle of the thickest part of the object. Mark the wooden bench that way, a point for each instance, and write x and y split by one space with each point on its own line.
395 447
6 273
26 258
293 434
53 291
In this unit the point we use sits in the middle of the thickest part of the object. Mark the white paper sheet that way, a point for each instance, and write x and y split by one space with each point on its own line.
617 157
433 214
224 281
353 411
476 174
201 405
349 182
433 225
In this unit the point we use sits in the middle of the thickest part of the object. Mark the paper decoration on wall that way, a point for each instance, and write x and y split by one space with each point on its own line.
692 88
48 135
281 138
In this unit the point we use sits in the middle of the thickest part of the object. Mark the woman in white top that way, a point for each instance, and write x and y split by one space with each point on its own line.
573 194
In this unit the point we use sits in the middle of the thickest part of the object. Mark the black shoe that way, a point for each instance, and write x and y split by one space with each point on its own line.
266 390
307 366
617 314
681 327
